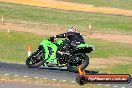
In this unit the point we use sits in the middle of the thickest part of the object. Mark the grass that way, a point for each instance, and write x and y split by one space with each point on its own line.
100 22
124 4
14 47
118 69
105 49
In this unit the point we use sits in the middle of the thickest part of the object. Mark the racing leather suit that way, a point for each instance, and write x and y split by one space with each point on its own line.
74 39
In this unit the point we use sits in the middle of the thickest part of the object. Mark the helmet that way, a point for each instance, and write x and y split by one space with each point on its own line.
72 29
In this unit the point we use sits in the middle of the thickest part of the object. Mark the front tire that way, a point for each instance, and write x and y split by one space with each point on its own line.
34 62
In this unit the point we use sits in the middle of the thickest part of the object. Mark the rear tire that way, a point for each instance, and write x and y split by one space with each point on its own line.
81 80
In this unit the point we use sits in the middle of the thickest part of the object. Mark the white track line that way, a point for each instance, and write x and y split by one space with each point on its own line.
123 87
99 84
115 86
7 74
36 77
107 85
73 81
15 75
63 80
25 76
54 79
44 78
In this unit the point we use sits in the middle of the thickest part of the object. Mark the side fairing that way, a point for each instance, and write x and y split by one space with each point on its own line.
59 42
84 48
50 51
84 45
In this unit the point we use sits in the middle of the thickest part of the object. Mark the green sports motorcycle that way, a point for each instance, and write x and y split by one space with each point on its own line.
48 54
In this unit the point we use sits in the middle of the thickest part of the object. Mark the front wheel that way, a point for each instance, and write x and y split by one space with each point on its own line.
83 65
34 61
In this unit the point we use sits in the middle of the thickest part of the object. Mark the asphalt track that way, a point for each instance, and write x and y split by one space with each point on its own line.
24 85
46 73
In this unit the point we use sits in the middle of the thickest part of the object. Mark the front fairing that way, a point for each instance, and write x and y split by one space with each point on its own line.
45 42
50 50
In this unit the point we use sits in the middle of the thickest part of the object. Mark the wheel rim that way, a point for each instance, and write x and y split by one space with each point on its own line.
32 61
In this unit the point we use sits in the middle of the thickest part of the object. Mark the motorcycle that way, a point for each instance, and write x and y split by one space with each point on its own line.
53 54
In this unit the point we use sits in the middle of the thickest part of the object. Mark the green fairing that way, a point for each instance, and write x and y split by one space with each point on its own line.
59 42
51 57
48 55
46 43
84 45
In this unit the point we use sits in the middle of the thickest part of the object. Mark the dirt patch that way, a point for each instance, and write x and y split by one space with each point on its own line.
51 30
45 29
112 37
71 6
106 63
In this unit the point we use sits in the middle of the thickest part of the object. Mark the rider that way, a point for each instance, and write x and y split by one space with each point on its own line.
74 38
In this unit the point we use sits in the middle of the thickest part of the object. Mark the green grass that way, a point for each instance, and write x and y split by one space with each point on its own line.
100 22
13 47
105 49
124 4
118 69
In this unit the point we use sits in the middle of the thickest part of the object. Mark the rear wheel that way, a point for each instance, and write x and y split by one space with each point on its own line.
81 80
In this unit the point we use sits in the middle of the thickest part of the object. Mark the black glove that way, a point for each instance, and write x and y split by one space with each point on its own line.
52 39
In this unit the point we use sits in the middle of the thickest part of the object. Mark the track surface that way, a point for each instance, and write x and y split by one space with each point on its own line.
23 85
46 73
